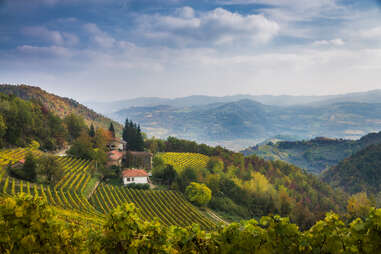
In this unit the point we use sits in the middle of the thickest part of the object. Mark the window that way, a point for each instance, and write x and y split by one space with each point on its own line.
128 179
132 179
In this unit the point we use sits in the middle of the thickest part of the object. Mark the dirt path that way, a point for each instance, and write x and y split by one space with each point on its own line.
62 152
215 216
93 190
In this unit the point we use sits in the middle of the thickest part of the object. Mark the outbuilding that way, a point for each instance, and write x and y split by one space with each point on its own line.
134 176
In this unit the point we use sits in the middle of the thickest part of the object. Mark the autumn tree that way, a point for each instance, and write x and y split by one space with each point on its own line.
198 194
359 205
49 170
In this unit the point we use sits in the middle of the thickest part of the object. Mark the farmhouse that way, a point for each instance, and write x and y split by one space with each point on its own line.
117 144
134 176
115 158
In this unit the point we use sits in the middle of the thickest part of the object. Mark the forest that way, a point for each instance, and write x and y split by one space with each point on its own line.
249 187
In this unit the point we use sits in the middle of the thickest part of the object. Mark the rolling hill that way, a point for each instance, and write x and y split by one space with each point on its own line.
235 124
314 155
61 106
360 172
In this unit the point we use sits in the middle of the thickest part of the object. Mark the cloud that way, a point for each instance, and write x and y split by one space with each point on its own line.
334 42
52 36
101 38
372 33
218 26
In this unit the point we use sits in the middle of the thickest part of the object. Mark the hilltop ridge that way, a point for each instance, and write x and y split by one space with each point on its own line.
61 106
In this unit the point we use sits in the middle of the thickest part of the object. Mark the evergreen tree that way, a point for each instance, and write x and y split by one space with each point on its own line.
133 136
139 140
112 129
92 131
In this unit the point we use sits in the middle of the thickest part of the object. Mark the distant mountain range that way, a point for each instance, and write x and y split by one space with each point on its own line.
198 100
315 155
243 120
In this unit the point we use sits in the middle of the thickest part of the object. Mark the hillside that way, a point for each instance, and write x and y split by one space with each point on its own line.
246 121
73 194
61 106
360 172
314 155
245 187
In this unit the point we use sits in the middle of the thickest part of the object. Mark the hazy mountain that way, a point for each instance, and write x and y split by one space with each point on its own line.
250 120
199 100
373 96
314 155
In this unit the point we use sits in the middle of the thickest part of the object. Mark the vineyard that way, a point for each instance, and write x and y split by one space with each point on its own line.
70 194
67 195
182 160
169 207
13 155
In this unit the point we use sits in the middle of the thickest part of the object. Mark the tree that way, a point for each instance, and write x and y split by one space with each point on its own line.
49 170
359 205
164 174
30 167
101 138
133 136
29 225
82 147
75 125
186 176
124 232
112 129
91 131
198 194
215 165
3 129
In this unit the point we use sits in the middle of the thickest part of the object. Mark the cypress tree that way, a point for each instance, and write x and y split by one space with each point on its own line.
139 140
112 129
92 131
133 136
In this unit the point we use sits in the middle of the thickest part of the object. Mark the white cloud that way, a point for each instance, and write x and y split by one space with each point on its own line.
52 36
218 26
372 33
334 42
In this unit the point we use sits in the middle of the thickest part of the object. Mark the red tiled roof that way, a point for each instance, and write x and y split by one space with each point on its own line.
134 173
115 155
22 161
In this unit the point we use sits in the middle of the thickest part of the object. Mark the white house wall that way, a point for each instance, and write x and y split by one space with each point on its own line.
136 180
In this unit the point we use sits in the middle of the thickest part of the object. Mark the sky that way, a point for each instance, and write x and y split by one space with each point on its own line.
102 50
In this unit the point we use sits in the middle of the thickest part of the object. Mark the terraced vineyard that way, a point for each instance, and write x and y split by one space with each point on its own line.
13 155
76 175
70 194
182 160
67 195
169 207
68 200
